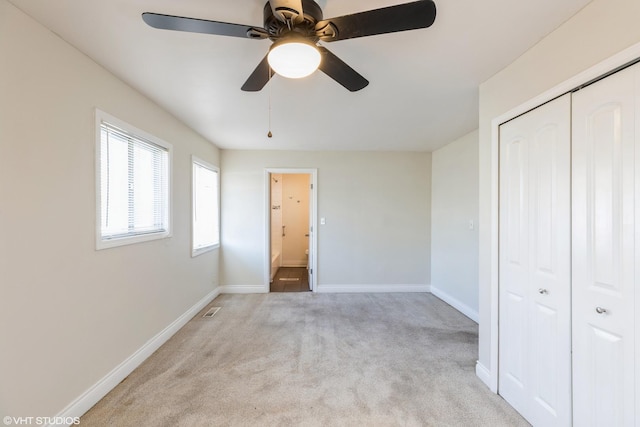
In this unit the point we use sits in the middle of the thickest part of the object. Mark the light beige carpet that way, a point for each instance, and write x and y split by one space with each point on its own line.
305 359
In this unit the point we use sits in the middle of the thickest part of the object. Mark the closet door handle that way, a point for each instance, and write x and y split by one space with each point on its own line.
283 230
601 310
542 291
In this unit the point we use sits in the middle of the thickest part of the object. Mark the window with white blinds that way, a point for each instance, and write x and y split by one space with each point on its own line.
133 188
206 207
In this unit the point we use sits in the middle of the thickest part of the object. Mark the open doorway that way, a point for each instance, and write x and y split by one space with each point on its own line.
290 229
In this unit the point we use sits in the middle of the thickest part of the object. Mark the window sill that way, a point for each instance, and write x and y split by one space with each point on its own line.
129 240
200 251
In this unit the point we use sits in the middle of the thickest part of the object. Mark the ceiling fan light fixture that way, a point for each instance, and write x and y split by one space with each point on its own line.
294 58
295 26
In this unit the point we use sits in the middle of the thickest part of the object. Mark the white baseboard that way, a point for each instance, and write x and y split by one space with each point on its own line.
485 376
455 303
96 392
244 289
294 264
371 288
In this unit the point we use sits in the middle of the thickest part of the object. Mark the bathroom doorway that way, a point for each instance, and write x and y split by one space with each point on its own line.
290 225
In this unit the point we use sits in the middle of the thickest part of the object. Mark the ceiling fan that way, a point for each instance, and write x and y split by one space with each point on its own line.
296 26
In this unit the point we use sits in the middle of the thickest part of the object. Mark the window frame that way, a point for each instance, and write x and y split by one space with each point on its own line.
204 164
111 242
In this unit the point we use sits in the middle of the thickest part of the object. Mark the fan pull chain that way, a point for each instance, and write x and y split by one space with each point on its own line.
269 135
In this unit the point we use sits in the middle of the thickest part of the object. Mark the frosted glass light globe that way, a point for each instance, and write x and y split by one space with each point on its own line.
294 59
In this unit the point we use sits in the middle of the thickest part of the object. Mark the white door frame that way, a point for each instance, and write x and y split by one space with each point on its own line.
489 374
313 219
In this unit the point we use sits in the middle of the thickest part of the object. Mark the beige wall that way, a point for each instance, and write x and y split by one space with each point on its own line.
600 30
454 224
377 210
71 314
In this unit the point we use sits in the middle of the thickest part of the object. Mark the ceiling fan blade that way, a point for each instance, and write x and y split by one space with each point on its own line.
193 25
339 71
259 78
402 17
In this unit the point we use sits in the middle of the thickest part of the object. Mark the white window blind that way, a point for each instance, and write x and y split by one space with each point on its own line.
134 185
206 212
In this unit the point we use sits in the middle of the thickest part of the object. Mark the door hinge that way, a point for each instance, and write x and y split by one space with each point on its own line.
311 185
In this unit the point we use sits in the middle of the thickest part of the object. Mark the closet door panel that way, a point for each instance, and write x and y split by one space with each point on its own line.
534 371
550 269
603 268
515 269
606 387
546 371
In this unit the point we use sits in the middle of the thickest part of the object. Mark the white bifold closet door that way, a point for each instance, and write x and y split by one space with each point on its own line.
535 264
606 233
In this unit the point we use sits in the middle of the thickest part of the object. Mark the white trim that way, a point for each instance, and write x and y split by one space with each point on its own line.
296 264
313 212
243 289
101 116
372 288
622 58
455 303
97 391
485 376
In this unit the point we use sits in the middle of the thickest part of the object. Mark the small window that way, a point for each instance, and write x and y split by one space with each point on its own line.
206 207
133 184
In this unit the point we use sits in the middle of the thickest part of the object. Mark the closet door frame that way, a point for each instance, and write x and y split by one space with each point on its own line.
489 374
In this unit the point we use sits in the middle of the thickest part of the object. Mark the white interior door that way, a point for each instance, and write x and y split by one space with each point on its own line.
535 261
605 144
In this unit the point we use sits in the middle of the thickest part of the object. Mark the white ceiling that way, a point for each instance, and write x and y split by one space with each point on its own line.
423 90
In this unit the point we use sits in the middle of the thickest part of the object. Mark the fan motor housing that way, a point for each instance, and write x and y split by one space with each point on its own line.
276 28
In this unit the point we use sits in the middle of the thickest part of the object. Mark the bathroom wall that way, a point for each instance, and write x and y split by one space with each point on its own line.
295 219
